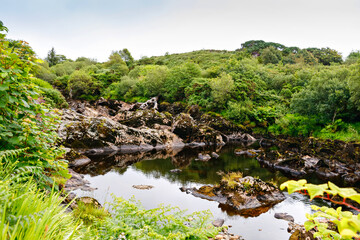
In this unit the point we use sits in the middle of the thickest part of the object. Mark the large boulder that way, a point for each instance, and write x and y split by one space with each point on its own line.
187 129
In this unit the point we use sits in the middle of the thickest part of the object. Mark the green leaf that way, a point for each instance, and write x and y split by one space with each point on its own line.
4 86
316 190
309 225
293 186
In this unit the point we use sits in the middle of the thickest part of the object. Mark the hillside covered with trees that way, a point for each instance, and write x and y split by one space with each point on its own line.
266 87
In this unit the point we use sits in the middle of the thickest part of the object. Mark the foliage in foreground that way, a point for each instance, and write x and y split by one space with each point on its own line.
347 224
26 212
131 221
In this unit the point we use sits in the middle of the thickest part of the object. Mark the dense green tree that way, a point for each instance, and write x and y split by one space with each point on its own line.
82 86
126 56
25 119
116 64
52 58
178 79
221 89
354 85
326 56
270 55
327 96
353 57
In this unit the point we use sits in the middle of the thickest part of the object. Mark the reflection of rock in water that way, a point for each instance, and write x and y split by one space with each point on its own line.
252 212
101 164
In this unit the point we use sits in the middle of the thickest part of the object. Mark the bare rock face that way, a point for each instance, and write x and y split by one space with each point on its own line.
80 131
245 196
140 118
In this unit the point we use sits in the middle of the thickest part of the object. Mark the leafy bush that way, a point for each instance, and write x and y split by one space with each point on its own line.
25 122
294 125
82 86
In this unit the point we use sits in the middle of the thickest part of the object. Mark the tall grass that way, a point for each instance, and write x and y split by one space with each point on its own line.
27 213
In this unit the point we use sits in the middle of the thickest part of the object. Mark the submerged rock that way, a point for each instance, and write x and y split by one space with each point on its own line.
284 216
143 187
249 153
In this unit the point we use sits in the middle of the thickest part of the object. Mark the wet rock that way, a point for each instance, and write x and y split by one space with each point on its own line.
175 170
218 222
310 162
351 179
143 187
284 216
215 155
203 157
247 196
220 124
77 181
330 160
80 162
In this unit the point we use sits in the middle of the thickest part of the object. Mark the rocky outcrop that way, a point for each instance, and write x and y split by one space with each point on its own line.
329 160
245 196
110 124
139 118
81 131
187 129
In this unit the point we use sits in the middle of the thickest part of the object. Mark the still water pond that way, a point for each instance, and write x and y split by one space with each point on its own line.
116 174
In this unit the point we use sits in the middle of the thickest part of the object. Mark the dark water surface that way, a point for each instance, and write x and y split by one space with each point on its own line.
116 174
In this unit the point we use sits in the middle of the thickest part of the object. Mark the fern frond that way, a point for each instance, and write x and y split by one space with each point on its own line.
9 154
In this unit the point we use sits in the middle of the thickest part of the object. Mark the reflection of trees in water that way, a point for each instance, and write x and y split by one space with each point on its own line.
159 163
206 172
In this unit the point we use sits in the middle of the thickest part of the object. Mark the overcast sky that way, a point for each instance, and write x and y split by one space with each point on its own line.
93 28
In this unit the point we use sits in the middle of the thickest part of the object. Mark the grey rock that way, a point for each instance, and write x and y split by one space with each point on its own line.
284 216
218 222
80 162
215 155
204 157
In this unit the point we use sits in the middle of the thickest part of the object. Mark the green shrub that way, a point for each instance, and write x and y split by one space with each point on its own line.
54 98
82 86
132 221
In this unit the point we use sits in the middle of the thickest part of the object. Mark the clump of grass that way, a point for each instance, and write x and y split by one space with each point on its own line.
90 213
27 213
231 180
